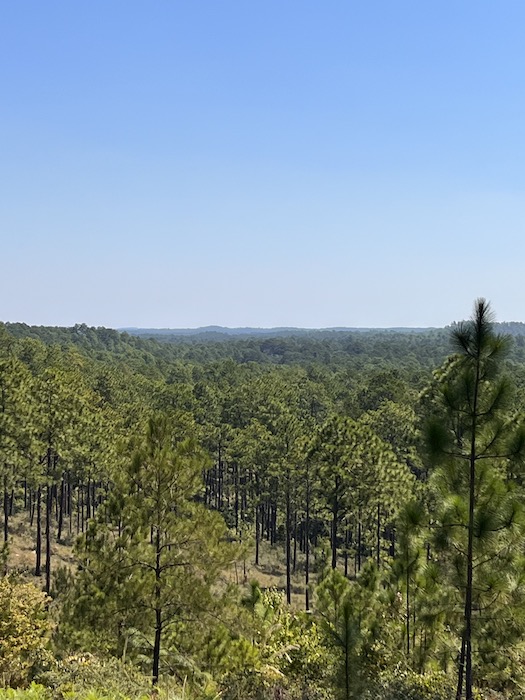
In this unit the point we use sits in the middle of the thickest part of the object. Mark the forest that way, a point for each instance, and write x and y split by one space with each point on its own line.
293 516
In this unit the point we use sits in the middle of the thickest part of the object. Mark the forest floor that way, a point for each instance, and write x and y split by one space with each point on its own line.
21 557
269 573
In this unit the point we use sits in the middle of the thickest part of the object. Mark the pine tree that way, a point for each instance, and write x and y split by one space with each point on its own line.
340 614
473 439
162 547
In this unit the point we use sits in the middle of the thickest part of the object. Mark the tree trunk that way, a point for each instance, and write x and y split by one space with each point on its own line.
38 552
307 546
378 553
288 541
359 537
31 507
294 567
470 546
220 482
82 507
461 669
49 496
257 534
158 612
274 523
257 519
61 498
407 563
6 510
88 500
79 491
335 516
236 486
347 544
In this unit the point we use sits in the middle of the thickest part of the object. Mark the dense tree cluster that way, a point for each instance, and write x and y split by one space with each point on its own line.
390 496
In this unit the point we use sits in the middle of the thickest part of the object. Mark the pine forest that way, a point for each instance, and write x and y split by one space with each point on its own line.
314 515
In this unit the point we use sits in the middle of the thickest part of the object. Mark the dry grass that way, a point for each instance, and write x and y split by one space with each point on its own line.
22 552
271 573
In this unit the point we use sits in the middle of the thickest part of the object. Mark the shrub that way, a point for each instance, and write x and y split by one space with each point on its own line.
24 632
79 675
407 685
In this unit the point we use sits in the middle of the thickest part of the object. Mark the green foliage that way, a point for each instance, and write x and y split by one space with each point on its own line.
153 553
308 442
360 480
286 654
340 616
80 675
24 632
34 692
479 518
407 685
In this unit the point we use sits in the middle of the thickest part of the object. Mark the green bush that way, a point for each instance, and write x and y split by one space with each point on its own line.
24 632
87 676
407 685
33 692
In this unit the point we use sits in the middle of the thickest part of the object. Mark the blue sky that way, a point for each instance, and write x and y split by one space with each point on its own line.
177 164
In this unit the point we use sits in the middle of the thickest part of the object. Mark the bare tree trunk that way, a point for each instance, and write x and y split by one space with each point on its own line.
378 553
61 498
79 492
408 602
335 516
158 612
236 486
38 549
274 523
461 669
257 534
49 496
307 545
294 568
359 541
6 510
31 507
69 502
347 544
88 500
288 541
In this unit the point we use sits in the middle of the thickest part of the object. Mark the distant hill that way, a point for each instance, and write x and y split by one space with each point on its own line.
156 348
216 332
514 328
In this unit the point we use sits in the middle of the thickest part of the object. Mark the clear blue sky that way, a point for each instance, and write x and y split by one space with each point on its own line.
174 163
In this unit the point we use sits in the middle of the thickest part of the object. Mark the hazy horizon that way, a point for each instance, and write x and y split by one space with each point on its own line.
218 328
